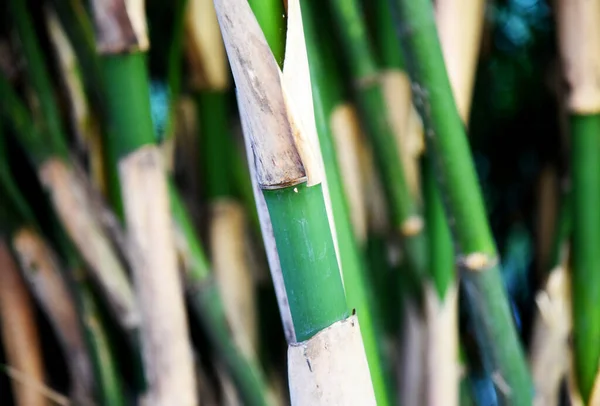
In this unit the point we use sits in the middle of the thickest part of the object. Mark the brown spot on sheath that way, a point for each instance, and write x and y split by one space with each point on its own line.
120 26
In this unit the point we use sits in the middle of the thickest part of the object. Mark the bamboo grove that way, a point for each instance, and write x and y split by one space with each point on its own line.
273 202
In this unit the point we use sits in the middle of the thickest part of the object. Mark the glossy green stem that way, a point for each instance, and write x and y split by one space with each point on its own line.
127 97
361 61
386 41
128 102
271 17
496 334
585 283
309 265
440 249
359 290
216 144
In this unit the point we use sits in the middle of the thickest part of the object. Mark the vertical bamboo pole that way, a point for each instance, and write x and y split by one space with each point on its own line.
286 170
328 107
579 44
478 259
122 42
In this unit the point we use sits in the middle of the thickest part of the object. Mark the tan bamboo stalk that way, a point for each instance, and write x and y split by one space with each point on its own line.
234 278
549 354
31 385
19 331
349 140
42 272
84 122
460 28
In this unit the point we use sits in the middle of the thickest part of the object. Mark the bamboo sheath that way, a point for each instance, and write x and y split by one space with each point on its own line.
289 176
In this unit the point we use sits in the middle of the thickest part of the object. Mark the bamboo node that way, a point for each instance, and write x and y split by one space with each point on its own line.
412 226
477 261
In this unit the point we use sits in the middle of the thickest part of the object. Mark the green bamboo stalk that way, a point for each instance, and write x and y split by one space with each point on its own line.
577 28
122 42
313 283
216 143
405 211
327 95
271 17
479 262
585 146
294 206
440 247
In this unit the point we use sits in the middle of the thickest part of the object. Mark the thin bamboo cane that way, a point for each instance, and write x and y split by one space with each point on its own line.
579 40
404 205
42 272
19 330
359 293
122 41
84 122
478 258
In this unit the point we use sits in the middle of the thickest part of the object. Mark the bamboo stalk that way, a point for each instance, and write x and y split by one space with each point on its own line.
359 291
291 184
42 272
460 42
122 41
84 123
478 260
19 330
404 205
579 36
460 27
